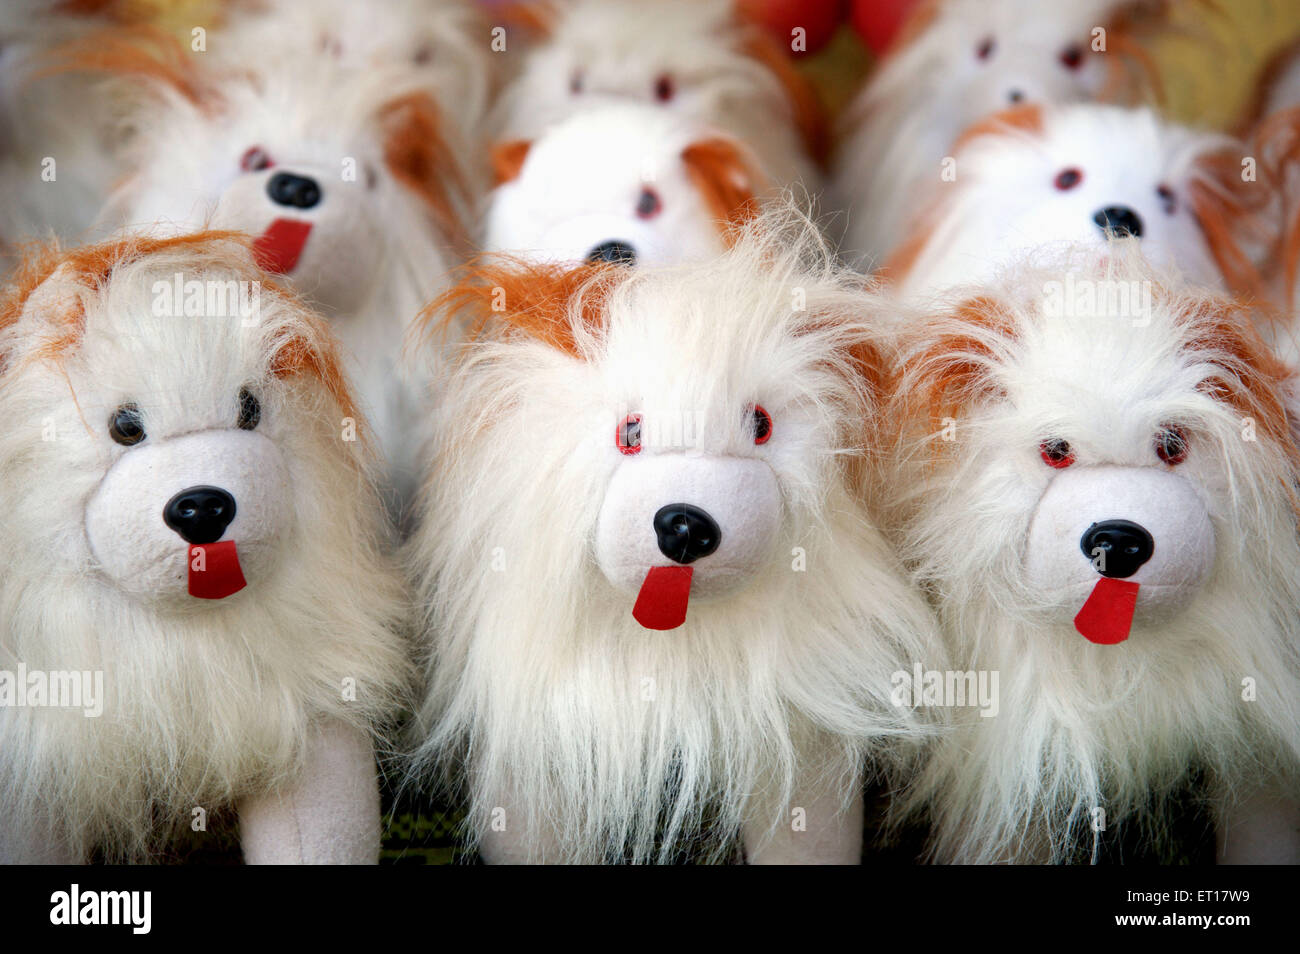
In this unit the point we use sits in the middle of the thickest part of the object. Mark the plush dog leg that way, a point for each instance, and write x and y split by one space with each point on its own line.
817 828
1261 829
329 814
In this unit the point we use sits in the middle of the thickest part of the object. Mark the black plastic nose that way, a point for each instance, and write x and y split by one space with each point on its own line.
1119 220
1117 548
200 514
298 192
614 252
686 533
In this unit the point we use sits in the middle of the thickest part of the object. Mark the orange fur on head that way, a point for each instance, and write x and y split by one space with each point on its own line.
1253 379
495 295
1026 119
1230 212
954 369
142 52
724 178
508 160
418 156
92 266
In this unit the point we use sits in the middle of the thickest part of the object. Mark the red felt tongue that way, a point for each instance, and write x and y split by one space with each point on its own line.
214 570
277 249
661 604
1107 615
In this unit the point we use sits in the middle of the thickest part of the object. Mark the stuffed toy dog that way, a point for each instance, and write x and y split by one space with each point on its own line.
626 183
344 178
1097 485
701 59
1035 177
193 525
625 654
955 62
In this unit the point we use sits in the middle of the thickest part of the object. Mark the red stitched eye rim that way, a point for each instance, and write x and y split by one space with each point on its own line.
627 436
1171 444
255 159
1067 179
985 48
1072 57
665 88
762 422
1056 453
648 204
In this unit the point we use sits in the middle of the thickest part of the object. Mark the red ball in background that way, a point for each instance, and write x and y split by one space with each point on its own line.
819 19
877 21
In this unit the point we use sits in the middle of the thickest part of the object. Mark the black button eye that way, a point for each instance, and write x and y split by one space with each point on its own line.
1072 57
628 436
665 88
1171 444
761 423
1056 453
1167 199
648 204
255 159
986 48
126 426
1067 179
250 410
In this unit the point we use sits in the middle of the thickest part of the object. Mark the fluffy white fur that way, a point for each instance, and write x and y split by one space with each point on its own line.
602 740
581 183
1117 727
208 702
376 253
442 46
903 124
622 48
1005 202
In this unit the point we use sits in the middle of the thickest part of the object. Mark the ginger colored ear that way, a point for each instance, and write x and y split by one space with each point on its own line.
1232 214
725 179
140 52
418 156
508 160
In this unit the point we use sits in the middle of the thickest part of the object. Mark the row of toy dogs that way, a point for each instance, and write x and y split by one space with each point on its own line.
702 550
719 438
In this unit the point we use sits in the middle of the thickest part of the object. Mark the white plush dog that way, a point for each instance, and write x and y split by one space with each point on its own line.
955 62
625 183
698 58
188 520
1098 486
668 450
1035 177
344 177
